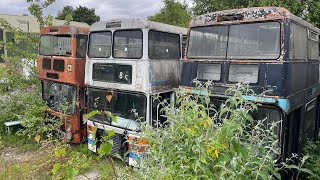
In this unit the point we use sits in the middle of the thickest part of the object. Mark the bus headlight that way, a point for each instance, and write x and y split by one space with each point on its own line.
68 132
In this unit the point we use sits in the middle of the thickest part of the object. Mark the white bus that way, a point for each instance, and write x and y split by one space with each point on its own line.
129 61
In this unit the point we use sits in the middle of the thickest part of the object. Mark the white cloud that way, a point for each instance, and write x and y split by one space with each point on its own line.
106 9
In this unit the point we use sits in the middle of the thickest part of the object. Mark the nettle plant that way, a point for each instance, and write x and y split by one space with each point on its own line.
204 141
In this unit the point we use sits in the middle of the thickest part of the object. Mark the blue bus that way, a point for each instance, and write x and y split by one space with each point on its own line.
275 52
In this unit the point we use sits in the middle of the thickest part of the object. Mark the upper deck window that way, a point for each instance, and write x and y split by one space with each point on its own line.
100 44
208 42
127 44
241 41
313 46
298 42
55 45
81 46
164 45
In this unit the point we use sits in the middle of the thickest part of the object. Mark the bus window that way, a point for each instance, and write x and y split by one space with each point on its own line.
208 71
81 46
158 118
60 97
1 49
100 45
243 73
298 42
313 47
121 104
208 42
163 45
183 44
127 44
254 41
51 45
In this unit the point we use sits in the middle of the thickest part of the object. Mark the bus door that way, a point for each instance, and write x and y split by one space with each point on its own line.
157 104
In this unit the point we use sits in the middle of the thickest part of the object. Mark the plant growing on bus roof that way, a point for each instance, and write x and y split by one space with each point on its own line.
210 141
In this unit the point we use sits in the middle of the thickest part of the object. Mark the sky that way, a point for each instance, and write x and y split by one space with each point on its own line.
106 9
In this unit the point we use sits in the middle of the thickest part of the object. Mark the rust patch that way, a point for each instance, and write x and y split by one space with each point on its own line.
243 15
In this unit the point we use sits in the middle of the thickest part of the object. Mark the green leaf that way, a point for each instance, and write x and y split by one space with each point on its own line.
307 171
72 172
113 118
55 168
60 152
110 132
203 160
91 114
105 149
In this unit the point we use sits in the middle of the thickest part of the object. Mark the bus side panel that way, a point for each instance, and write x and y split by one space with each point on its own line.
189 72
292 134
309 120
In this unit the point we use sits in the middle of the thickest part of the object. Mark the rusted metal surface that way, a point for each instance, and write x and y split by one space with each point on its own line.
71 71
247 15
72 30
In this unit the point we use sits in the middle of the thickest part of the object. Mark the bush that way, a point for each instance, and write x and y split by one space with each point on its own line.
207 142
312 149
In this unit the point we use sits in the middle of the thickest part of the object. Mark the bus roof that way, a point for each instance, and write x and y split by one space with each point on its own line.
136 23
64 29
248 15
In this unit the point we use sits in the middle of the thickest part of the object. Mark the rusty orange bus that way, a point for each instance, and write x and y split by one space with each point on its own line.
61 68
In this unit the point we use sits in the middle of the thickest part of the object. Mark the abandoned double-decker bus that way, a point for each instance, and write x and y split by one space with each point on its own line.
129 62
61 68
274 51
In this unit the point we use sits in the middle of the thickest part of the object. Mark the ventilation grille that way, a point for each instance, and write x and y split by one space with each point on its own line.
116 144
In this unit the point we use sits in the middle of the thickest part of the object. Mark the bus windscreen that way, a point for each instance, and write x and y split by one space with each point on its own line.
60 97
129 108
55 45
240 41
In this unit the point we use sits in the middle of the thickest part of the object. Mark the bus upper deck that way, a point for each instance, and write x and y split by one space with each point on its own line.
62 53
274 51
134 55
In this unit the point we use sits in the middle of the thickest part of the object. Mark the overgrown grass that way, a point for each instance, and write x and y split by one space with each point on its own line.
312 149
25 159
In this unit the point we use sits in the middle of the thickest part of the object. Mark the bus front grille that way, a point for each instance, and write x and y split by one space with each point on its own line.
116 144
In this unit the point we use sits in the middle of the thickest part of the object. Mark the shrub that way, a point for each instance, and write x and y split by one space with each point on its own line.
207 142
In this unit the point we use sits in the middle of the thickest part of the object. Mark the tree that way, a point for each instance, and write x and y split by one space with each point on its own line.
308 10
65 12
174 13
84 14
80 14
36 9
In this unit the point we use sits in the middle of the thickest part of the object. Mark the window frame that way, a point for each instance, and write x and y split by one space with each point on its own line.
89 42
281 40
113 41
313 41
149 44
56 35
293 58
76 37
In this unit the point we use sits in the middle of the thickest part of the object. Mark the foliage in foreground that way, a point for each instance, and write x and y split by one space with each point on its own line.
228 144
313 162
